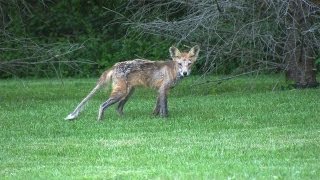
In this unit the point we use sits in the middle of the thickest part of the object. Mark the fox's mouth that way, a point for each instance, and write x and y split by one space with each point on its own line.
180 76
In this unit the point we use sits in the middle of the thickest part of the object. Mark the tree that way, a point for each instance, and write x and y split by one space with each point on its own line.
301 43
241 35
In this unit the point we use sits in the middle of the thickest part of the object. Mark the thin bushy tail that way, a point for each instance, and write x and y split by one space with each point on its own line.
104 79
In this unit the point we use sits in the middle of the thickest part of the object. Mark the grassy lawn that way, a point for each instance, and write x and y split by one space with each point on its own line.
239 129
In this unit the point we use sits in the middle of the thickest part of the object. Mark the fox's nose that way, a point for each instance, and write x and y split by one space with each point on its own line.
185 73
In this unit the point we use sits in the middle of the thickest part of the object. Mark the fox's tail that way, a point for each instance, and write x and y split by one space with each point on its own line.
104 79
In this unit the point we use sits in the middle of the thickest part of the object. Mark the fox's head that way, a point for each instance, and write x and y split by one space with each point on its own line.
184 60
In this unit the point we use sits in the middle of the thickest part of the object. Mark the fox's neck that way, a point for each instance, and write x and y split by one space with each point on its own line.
175 71
175 75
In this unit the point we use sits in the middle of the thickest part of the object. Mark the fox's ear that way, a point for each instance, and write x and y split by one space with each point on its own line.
194 51
174 52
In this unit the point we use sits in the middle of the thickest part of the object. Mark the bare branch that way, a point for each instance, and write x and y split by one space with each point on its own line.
263 26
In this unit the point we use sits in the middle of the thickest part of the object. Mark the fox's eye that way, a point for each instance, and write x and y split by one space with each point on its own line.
189 64
180 64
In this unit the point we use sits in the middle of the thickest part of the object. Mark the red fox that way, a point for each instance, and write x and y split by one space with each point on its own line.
125 76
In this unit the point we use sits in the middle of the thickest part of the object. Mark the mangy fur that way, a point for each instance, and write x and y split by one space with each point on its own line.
125 76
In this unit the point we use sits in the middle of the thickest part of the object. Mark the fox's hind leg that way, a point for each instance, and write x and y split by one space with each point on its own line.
122 102
119 92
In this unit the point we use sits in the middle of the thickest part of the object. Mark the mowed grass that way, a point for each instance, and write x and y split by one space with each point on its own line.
239 129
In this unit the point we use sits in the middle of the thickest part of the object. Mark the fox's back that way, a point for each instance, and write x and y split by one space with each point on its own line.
123 69
142 72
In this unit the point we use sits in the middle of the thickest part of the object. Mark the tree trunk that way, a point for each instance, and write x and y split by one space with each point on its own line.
300 57
301 70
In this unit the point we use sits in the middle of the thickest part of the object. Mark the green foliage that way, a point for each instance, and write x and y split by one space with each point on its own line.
101 32
232 131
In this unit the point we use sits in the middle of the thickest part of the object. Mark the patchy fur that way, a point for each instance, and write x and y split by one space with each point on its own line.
160 75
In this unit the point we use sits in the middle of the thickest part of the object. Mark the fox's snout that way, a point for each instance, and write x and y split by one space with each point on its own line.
184 73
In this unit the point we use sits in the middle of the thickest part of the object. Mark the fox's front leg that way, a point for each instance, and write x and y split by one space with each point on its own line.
163 103
156 109
164 106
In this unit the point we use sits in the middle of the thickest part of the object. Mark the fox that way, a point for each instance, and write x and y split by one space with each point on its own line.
125 76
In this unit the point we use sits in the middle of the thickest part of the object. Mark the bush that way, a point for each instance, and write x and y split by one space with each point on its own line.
54 27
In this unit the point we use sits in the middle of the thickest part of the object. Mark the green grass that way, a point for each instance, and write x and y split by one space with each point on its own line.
240 129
